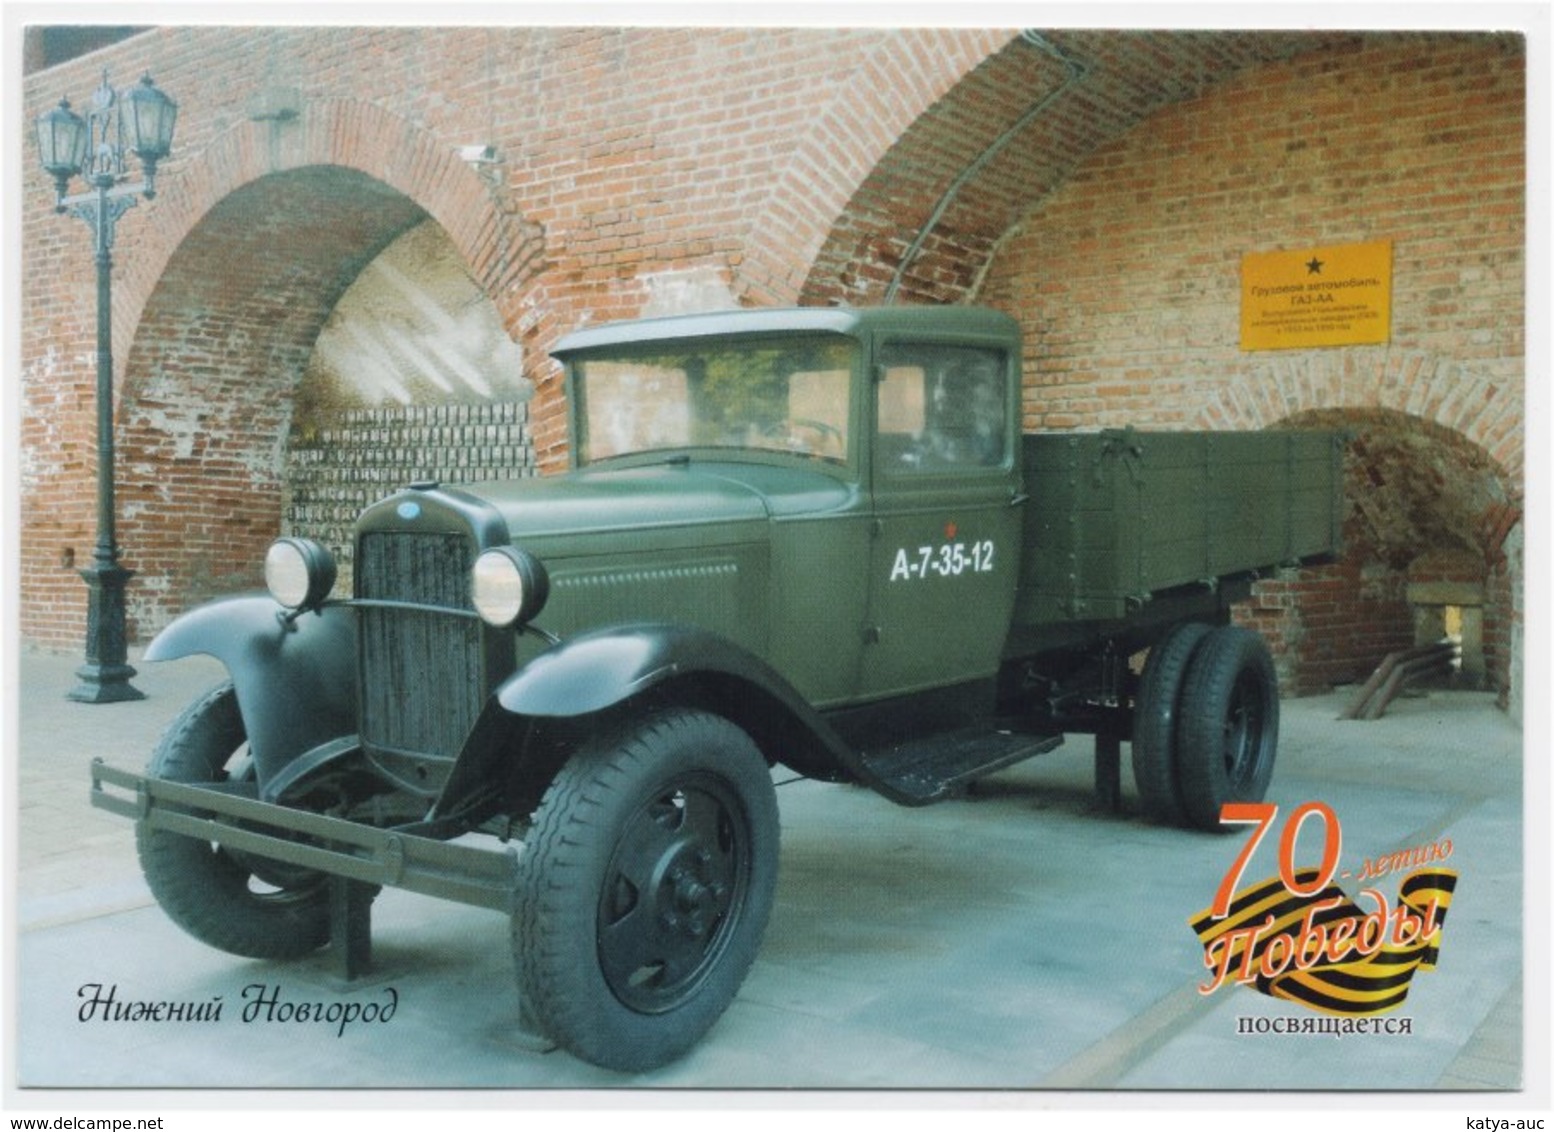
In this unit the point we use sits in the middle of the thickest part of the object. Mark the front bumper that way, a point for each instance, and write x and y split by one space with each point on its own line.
468 874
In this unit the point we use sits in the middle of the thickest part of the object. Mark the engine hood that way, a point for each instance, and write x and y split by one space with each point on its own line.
661 497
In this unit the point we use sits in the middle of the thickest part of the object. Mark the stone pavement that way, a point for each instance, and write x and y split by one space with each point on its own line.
1014 939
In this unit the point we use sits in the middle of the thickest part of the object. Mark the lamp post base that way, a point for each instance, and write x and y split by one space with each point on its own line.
105 677
104 684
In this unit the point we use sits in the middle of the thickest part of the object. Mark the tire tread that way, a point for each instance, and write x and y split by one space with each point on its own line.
187 876
1156 722
1205 702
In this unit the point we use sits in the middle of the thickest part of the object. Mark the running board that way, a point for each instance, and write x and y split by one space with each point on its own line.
921 771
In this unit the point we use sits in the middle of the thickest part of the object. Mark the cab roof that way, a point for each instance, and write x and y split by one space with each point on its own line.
856 322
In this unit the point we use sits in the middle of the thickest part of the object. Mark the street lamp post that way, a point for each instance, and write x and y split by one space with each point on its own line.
140 121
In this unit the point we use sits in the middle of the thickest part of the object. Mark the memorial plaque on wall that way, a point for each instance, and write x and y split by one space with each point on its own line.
1328 296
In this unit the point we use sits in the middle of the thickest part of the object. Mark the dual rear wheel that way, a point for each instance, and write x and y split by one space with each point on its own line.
1206 724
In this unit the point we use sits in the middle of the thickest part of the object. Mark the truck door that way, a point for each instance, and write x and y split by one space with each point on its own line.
945 479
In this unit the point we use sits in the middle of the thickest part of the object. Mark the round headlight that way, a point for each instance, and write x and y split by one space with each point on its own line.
509 586
299 572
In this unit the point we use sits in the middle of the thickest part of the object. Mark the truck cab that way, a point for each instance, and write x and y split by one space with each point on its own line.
882 448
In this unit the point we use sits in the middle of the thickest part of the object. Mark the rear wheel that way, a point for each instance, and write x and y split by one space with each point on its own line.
1229 731
1155 718
645 886
250 906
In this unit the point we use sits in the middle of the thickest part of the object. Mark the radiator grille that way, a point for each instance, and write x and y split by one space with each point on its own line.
423 674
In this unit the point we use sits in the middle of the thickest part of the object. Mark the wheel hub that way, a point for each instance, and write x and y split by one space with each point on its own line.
691 898
671 895
1241 731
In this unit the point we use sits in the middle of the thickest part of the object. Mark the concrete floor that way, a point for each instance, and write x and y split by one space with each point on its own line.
1016 939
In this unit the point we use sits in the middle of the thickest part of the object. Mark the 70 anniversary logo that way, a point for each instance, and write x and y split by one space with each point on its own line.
1298 936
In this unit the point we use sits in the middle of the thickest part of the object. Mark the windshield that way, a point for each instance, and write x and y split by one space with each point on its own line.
791 396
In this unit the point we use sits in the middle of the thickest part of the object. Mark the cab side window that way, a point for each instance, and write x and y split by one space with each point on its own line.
941 408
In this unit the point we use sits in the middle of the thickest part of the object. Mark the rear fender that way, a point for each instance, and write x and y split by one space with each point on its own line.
587 676
295 678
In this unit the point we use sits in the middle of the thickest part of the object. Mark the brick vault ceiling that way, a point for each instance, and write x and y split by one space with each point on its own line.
1009 134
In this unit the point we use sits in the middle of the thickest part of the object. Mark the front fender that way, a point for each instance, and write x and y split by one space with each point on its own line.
599 669
295 680
603 668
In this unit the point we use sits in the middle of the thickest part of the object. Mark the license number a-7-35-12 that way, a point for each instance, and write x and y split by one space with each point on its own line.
949 560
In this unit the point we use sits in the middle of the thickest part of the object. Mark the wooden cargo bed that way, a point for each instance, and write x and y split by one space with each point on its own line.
1117 518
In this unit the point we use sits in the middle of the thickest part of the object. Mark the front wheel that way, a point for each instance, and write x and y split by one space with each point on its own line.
1229 731
645 886
248 906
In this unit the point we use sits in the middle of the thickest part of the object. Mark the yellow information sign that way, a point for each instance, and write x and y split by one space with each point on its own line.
1333 296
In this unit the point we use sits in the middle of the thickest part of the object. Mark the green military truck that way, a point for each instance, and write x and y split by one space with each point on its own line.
809 539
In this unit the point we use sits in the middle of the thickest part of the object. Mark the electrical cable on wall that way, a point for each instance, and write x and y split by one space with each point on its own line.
1076 72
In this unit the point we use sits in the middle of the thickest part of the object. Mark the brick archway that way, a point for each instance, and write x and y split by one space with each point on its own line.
502 250
251 248
893 88
1426 509
970 141
1441 390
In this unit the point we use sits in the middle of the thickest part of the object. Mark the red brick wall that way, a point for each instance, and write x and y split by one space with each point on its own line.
1127 278
1330 625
